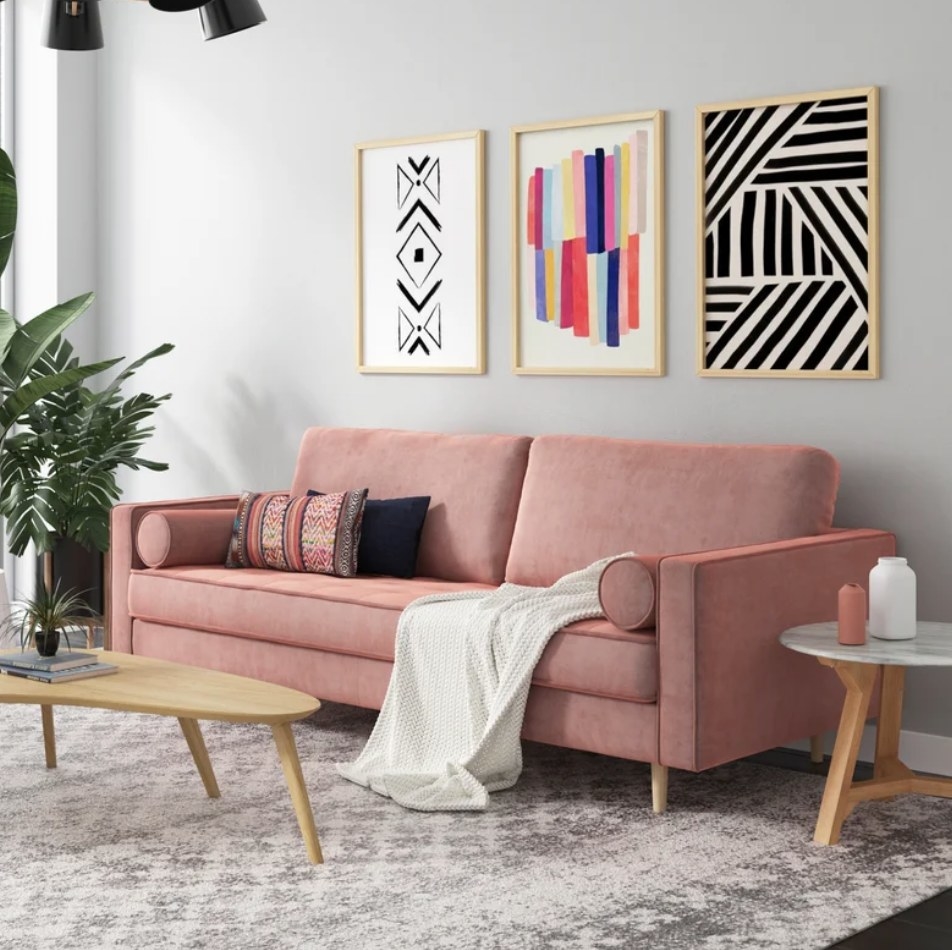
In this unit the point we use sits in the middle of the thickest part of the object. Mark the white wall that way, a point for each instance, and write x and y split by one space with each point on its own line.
36 160
55 152
226 176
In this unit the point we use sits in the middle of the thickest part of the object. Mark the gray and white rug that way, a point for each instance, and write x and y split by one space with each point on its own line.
119 847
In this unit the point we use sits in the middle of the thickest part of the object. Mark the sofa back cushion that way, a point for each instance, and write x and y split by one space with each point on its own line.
474 483
586 498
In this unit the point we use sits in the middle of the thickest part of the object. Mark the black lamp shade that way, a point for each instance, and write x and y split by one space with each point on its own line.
221 17
176 6
74 25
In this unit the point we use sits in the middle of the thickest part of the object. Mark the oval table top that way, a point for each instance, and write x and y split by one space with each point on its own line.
932 645
147 685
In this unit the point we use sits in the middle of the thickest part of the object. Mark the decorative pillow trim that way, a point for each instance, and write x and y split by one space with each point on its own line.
318 535
348 531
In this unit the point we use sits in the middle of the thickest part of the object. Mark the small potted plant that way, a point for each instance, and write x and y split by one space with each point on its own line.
46 617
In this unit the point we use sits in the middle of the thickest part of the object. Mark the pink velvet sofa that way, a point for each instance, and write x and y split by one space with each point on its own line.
747 544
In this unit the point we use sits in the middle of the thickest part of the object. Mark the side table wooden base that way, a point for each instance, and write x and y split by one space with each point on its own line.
890 776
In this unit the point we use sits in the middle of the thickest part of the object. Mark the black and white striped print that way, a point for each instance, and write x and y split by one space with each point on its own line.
786 242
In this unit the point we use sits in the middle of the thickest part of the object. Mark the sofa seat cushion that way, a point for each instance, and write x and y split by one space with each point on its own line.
359 616
595 657
356 615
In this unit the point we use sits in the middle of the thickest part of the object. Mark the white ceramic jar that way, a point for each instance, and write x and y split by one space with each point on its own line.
892 600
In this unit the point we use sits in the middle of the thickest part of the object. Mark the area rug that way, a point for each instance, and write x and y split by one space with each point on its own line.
119 847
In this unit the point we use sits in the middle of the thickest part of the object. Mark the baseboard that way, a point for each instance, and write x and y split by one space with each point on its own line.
921 751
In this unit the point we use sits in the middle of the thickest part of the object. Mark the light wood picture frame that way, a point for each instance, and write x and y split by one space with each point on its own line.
788 236
588 246
420 234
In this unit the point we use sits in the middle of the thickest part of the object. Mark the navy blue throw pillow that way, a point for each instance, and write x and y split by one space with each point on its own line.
390 535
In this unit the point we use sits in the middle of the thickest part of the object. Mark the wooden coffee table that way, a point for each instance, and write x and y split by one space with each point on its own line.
857 667
144 685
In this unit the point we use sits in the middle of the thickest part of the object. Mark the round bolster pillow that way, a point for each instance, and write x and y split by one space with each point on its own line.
626 590
191 536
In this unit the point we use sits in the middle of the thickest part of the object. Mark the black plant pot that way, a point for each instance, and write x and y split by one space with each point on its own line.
47 642
76 567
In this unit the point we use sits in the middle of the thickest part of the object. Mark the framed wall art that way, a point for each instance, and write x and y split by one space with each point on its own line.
420 248
588 241
788 236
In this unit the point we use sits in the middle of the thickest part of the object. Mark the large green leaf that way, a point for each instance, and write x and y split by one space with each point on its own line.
8 329
8 208
139 363
21 399
57 357
31 340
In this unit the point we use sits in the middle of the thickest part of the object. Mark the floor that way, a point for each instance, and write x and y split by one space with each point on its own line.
926 926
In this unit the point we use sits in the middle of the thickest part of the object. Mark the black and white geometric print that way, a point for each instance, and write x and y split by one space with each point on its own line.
787 237
419 314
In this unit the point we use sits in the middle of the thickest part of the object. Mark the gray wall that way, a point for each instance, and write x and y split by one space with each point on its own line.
226 176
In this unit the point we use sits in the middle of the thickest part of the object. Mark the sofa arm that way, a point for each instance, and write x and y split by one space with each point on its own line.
727 688
124 558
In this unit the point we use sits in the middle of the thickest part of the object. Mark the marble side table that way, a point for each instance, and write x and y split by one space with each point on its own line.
857 667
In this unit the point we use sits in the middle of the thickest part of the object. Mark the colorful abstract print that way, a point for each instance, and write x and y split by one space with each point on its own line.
314 534
586 215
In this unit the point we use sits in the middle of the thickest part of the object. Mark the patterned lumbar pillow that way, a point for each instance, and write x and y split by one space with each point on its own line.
318 534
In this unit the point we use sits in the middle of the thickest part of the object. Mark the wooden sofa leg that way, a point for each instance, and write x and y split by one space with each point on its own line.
816 749
659 787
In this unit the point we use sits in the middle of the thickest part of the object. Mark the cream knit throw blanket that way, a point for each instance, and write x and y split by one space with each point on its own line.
448 732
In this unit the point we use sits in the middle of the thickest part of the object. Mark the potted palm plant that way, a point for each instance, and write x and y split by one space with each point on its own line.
42 620
36 364
58 473
61 465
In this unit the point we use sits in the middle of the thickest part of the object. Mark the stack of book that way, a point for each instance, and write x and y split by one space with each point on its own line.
54 669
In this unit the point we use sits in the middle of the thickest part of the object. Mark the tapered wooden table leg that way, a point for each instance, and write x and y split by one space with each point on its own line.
858 678
196 745
106 598
49 736
287 750
890 718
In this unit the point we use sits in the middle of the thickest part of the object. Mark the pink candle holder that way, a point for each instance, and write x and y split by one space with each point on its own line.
851 630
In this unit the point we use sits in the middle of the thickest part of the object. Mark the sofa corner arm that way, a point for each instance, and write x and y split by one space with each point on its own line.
727 688
123 559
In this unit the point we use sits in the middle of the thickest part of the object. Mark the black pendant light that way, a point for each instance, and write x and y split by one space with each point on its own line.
74 25
176 6
221 17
